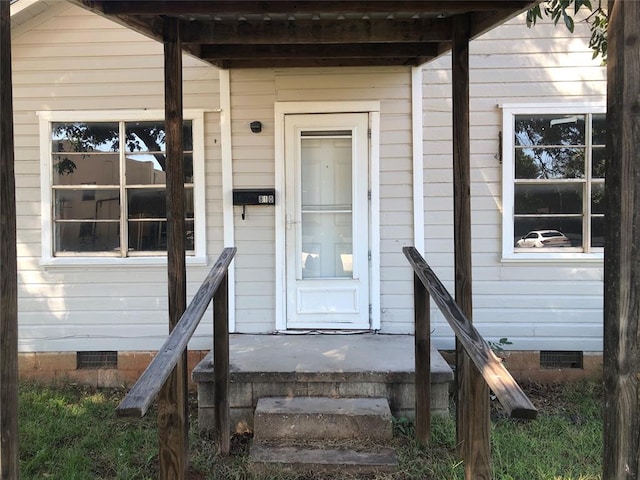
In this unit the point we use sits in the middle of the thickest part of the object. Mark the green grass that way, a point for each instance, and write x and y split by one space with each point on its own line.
70 433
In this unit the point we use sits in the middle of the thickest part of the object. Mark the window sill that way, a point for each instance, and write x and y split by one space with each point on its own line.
53 263
553 257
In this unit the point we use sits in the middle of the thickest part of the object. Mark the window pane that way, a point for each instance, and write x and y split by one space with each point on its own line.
327 250
147 235
85 137
86 204
597 231
151 136
151 203
86 237
151 235
189 241
86 169
545 199
597 198
146 169
326 172
571 227
145 136
548 163
599 131
147 203
598 162
150 169
551 129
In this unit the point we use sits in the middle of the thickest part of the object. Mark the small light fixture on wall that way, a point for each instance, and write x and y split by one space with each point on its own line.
256 126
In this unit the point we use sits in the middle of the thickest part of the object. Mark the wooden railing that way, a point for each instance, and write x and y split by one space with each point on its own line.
427 285
146 389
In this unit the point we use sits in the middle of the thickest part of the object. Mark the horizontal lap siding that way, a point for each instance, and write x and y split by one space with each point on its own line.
536 305
70 59
253 96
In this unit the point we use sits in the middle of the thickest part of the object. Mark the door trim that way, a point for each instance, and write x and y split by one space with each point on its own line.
280 110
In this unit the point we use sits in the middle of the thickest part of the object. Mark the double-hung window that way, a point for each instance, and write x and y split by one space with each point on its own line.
104 184
553 181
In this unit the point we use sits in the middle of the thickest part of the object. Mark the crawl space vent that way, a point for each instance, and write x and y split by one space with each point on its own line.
97 359
560 359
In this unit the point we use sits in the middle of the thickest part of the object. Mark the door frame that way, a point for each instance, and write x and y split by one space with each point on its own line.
285 108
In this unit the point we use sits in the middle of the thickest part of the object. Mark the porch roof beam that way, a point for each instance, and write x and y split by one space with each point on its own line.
318 31
339 51
316 62
204 7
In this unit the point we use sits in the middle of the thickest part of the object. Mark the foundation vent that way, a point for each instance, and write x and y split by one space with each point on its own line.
100 359
560 359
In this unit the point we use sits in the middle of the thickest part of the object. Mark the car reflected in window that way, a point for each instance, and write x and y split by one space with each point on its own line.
543 238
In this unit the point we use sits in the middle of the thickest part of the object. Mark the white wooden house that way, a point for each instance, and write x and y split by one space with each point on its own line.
327 255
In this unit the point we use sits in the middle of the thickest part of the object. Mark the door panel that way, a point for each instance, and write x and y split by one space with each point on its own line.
326 190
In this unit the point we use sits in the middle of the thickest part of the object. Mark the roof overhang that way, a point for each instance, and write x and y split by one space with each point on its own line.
305 33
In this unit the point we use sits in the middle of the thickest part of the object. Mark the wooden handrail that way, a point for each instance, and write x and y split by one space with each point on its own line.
498 378
137 401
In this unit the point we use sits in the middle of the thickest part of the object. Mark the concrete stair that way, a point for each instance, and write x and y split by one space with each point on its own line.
345 366
322 434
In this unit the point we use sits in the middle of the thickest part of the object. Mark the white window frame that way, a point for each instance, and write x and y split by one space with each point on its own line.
47 118
509 112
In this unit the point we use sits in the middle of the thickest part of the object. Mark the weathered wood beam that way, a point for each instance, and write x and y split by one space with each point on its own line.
473 406
221 377
621 459
9 462
370 50
173 418
204 7
317 62
483 21
143 393
422 346
317 31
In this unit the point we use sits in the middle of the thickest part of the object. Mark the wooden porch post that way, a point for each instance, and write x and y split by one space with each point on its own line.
173 419
9 468
472 391
622 246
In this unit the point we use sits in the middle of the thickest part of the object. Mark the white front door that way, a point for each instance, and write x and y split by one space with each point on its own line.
327 219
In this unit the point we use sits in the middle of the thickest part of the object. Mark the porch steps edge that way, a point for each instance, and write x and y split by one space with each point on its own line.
322 418
315 460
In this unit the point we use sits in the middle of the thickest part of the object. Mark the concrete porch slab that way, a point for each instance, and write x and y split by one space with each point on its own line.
320 365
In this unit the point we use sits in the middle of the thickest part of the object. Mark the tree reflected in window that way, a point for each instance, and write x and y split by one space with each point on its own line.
559 164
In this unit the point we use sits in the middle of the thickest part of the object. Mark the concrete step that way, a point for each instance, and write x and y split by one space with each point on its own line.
366 365
321 418
264 458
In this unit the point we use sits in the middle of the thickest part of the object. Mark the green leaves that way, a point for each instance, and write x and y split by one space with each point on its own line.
566 10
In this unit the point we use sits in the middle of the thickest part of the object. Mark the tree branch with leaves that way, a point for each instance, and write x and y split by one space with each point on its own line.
566 10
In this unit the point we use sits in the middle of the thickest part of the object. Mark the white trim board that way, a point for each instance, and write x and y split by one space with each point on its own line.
228 225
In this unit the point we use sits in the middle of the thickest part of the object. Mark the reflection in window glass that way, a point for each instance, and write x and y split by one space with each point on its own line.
570 227
86 204
94 207
86 169
86 236
597 198
552 130
597 231
556 203
599 129
598 162
85 137
548 198
550 163
150 137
